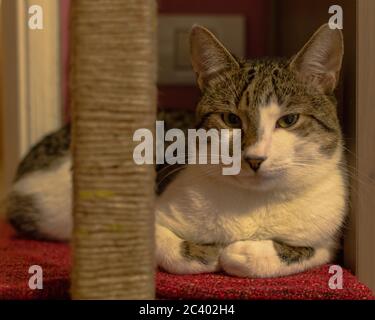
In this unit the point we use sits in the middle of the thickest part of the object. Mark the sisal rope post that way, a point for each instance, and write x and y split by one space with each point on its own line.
113 93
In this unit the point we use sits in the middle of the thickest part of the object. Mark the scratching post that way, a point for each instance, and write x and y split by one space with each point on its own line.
113 93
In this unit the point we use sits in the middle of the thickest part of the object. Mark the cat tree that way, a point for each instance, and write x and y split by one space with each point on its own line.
113 93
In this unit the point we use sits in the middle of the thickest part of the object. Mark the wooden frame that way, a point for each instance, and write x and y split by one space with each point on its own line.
31 79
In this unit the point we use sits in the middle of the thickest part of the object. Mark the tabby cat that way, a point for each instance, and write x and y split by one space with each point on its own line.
282 214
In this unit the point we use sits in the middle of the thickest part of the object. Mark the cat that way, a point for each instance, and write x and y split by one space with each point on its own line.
282 214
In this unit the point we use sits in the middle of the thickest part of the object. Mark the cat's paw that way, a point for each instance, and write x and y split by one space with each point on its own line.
189 258
268 258
248 258
178 256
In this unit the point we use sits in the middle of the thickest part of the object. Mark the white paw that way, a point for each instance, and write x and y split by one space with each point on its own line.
250 259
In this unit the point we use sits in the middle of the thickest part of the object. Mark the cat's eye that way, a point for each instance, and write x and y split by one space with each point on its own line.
287 121
232 120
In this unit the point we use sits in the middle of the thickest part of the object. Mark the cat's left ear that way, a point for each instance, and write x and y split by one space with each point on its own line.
208 55
319 61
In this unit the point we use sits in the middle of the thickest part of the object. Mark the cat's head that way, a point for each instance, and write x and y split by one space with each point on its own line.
286 109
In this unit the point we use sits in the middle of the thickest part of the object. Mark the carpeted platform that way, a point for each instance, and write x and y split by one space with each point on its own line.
17 255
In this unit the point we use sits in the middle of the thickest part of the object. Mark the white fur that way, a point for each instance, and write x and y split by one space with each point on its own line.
268 117
260 259
296 203
52 192
199 208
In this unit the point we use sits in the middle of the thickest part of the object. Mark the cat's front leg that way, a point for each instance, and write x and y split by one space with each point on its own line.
179 256
268 258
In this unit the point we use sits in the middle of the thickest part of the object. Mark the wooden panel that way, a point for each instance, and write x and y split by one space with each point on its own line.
12 96
31 68
366 142
43 72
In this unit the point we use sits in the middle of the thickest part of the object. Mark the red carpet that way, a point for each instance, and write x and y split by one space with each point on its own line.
17 255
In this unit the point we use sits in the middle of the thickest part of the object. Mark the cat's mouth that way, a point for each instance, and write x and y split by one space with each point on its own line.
261 180
260 175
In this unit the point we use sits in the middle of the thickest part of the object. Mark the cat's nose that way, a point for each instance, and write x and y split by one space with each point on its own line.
255 162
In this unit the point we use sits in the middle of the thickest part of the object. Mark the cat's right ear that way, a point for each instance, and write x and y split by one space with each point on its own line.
319 62
208 55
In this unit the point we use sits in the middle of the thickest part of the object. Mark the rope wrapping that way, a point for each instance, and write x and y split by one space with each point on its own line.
113 93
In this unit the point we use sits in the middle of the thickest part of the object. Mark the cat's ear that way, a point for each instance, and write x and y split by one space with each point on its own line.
208 55
319 61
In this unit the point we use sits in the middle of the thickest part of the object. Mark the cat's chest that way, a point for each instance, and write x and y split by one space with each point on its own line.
210 212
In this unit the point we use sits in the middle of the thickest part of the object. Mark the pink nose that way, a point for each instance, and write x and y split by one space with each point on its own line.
255 162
